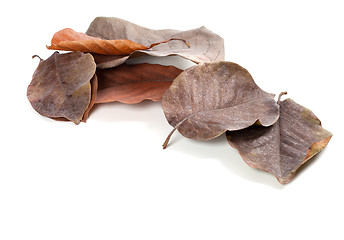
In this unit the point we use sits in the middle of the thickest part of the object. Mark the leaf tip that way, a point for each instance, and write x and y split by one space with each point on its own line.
317 147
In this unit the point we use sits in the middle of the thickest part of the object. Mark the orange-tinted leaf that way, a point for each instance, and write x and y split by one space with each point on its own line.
134 83
69 40
69 34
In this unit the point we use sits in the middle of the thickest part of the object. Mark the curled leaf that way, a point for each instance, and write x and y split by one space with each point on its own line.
69 40
204 45
60 86
109 61
206 100
283 147
135 83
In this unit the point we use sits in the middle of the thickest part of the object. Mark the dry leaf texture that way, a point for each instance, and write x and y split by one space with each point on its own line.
282 148
94 89
135 83
204 44
206 100
108 61
60 86
69 40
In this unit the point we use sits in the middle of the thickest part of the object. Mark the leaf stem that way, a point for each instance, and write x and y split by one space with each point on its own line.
34 56
174 129
280 95
168 138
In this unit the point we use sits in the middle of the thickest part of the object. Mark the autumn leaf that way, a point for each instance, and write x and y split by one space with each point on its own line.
69 40
206 100
135 83
109 61
283 147
94 89
204 44
60 86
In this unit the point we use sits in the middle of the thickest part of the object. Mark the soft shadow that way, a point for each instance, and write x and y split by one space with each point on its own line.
113 105
146 112
151 114
121 112
229 157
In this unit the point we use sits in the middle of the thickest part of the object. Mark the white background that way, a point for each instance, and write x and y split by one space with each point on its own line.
110 178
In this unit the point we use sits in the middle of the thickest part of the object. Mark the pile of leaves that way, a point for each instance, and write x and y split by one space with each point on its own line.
211 98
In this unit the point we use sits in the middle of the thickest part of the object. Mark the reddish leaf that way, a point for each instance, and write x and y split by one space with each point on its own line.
69 40
134 83
206 100
60 86
94 89
283 147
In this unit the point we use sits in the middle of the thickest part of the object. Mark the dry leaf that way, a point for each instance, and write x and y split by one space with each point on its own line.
206 100
283 147
60 86
94 89
69 40
204 44
108 61
135 83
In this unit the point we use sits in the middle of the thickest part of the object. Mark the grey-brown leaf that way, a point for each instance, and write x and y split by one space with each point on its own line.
204 44
282 148
206 100
60 86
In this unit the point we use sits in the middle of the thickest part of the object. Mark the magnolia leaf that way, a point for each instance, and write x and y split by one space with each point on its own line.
283 147
60 86
135 83
208 99
69 40
204 44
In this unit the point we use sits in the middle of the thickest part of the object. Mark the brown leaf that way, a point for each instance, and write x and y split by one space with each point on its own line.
108 61
283 147
135 83
69 40
60 86
204 44
94 89
206 100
